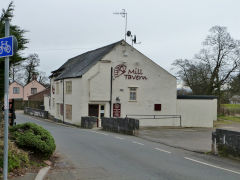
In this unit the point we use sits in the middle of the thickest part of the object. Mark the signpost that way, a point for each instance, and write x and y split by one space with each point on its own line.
6 46
6 50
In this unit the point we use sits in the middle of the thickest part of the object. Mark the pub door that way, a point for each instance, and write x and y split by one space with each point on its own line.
97 110
93 110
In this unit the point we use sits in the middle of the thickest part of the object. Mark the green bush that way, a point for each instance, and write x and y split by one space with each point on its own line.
16 157
32 137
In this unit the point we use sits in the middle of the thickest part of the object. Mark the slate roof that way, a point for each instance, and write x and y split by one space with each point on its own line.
196 97
77 66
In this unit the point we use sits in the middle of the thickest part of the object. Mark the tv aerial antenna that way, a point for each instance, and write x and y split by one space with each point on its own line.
123 13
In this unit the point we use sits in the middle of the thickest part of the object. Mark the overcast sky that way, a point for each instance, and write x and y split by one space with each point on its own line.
167 29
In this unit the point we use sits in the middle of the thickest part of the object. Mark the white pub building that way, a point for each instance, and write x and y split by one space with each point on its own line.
118 81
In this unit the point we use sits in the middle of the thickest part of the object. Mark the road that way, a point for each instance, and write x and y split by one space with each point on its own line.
103 155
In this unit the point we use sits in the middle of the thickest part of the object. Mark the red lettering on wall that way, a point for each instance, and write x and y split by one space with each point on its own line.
134 74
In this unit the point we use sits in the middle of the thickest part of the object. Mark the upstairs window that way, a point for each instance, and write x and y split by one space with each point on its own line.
33 90
68 87
16 90
132 94
57 88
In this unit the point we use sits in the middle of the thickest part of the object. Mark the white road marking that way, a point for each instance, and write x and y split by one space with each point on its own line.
117 137
163 150
135 142
218 167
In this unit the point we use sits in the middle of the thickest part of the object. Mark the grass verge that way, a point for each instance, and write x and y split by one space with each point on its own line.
229 118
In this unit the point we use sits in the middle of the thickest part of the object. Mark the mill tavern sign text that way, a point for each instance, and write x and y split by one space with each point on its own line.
134 74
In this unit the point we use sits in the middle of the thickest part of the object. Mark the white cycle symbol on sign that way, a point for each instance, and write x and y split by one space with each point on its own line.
5 47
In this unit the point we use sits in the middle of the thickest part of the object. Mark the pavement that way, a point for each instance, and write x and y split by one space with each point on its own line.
192 139
95 154
27 176
232 127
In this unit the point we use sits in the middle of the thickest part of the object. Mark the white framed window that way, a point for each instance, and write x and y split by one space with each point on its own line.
132 94
68 87
16 90
57 87
68 111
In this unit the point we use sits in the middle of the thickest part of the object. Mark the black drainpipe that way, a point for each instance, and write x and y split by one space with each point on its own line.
111 84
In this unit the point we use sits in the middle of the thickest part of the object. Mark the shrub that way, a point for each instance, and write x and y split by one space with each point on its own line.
16 157
32 137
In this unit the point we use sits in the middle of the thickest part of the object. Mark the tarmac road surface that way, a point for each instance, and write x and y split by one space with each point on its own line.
103 155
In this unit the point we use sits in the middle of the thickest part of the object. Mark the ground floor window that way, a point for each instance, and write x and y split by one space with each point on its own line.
68 111
59 109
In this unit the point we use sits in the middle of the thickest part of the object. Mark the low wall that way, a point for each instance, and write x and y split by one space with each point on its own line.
36 112
120 125
88 122
197 112
226 142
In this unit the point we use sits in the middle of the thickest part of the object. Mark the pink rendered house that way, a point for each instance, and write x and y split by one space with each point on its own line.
32 88
17 91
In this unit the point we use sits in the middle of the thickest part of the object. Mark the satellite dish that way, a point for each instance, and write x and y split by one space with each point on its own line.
129 33
135 39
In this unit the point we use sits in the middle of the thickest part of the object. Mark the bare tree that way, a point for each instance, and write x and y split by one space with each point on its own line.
213 66
30 67
193 75
16 72
43 79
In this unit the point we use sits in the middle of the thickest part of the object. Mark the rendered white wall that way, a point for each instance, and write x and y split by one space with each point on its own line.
46 103
197 112
159 88
214 109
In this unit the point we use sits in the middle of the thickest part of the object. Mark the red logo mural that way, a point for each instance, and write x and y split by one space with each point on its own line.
119 70
134 74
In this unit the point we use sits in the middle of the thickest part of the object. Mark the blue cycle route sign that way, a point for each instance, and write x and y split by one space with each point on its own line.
6 46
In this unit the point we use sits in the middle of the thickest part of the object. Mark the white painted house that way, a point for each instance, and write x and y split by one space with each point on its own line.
115 81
